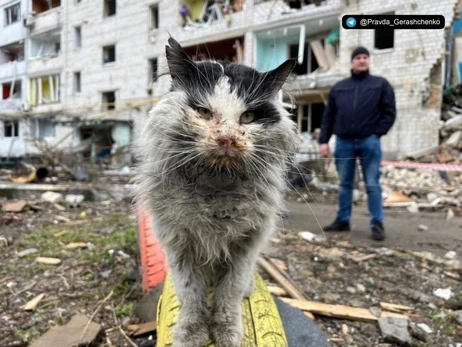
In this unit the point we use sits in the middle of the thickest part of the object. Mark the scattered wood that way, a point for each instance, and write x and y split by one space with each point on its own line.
337 339
27 252
62 219
17 206
142 329
32 305
277 291
452 275
61 233
282 271
364 258
284 280
279 264
338 311
49 261
394 307
397 198
59 207
275 273
74 245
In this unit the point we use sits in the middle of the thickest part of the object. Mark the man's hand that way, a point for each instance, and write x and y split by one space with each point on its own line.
324 149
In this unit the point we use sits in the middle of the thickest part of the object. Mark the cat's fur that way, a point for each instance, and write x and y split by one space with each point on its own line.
213 212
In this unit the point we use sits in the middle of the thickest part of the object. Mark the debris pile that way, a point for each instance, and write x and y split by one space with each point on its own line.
399 297
451 130
419 189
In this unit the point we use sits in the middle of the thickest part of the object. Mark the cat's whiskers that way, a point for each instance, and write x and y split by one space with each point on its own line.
180 164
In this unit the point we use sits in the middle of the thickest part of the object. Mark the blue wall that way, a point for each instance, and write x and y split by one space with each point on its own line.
457 27
273 52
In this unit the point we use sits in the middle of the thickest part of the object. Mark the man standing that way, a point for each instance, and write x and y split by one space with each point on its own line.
359 111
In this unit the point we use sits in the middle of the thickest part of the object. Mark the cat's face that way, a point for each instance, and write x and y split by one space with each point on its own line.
229 115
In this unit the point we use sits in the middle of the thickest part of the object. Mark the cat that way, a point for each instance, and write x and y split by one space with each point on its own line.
212 160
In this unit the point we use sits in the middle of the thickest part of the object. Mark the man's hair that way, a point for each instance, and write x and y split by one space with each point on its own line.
359 50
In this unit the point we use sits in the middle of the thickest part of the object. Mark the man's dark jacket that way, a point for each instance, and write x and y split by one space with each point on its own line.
359 106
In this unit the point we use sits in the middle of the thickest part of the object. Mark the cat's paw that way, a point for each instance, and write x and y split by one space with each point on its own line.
190 332
227 331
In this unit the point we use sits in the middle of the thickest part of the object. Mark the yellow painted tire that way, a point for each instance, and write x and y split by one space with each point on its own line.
262 323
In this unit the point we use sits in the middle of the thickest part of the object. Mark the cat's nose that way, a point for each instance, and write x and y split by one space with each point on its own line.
226 142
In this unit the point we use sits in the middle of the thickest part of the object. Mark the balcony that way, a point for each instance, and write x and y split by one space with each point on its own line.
11 105
321 79
46 64
12 69
213 17
44 21
285 12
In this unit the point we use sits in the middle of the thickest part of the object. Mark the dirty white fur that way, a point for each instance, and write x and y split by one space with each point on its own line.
211 220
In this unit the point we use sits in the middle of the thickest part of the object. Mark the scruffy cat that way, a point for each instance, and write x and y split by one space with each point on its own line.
212 161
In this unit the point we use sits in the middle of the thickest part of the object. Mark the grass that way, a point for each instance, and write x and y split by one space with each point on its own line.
124 310
122 238
445 320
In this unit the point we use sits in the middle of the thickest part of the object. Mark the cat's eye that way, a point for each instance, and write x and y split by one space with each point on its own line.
247 117
205 113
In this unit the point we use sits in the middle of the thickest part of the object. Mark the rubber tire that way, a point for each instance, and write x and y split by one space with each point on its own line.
152 257
262 322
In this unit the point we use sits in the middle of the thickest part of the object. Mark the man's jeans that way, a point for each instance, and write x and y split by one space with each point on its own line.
369 152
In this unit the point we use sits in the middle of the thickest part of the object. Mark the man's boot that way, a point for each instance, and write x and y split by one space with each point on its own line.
378 231
338 225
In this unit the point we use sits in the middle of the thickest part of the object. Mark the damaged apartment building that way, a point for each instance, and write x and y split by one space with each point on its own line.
81 75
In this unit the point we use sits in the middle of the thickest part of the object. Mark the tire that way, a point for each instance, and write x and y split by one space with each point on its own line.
262 322
152 258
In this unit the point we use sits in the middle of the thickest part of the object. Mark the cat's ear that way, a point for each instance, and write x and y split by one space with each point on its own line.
179 63
275 79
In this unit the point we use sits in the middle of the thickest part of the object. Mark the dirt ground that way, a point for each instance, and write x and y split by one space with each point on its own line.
101 278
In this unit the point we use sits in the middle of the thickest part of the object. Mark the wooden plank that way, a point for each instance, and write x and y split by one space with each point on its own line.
286 284
32 305
394 307
277 291
143 328
276 274
364 258
289 279
338 311
49 261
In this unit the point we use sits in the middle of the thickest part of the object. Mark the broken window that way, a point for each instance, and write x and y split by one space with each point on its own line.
12 52
11 128
45 45
12 14
42 128
11 90
311 116
153 70
44 90
77 83
226 50
109 100
78 37
109 8
39 6
109 54
309 64
154 20
45 128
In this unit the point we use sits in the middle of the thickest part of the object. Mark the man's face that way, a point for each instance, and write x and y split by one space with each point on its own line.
360 63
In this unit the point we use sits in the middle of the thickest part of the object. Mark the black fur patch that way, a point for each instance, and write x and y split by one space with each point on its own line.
199 79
